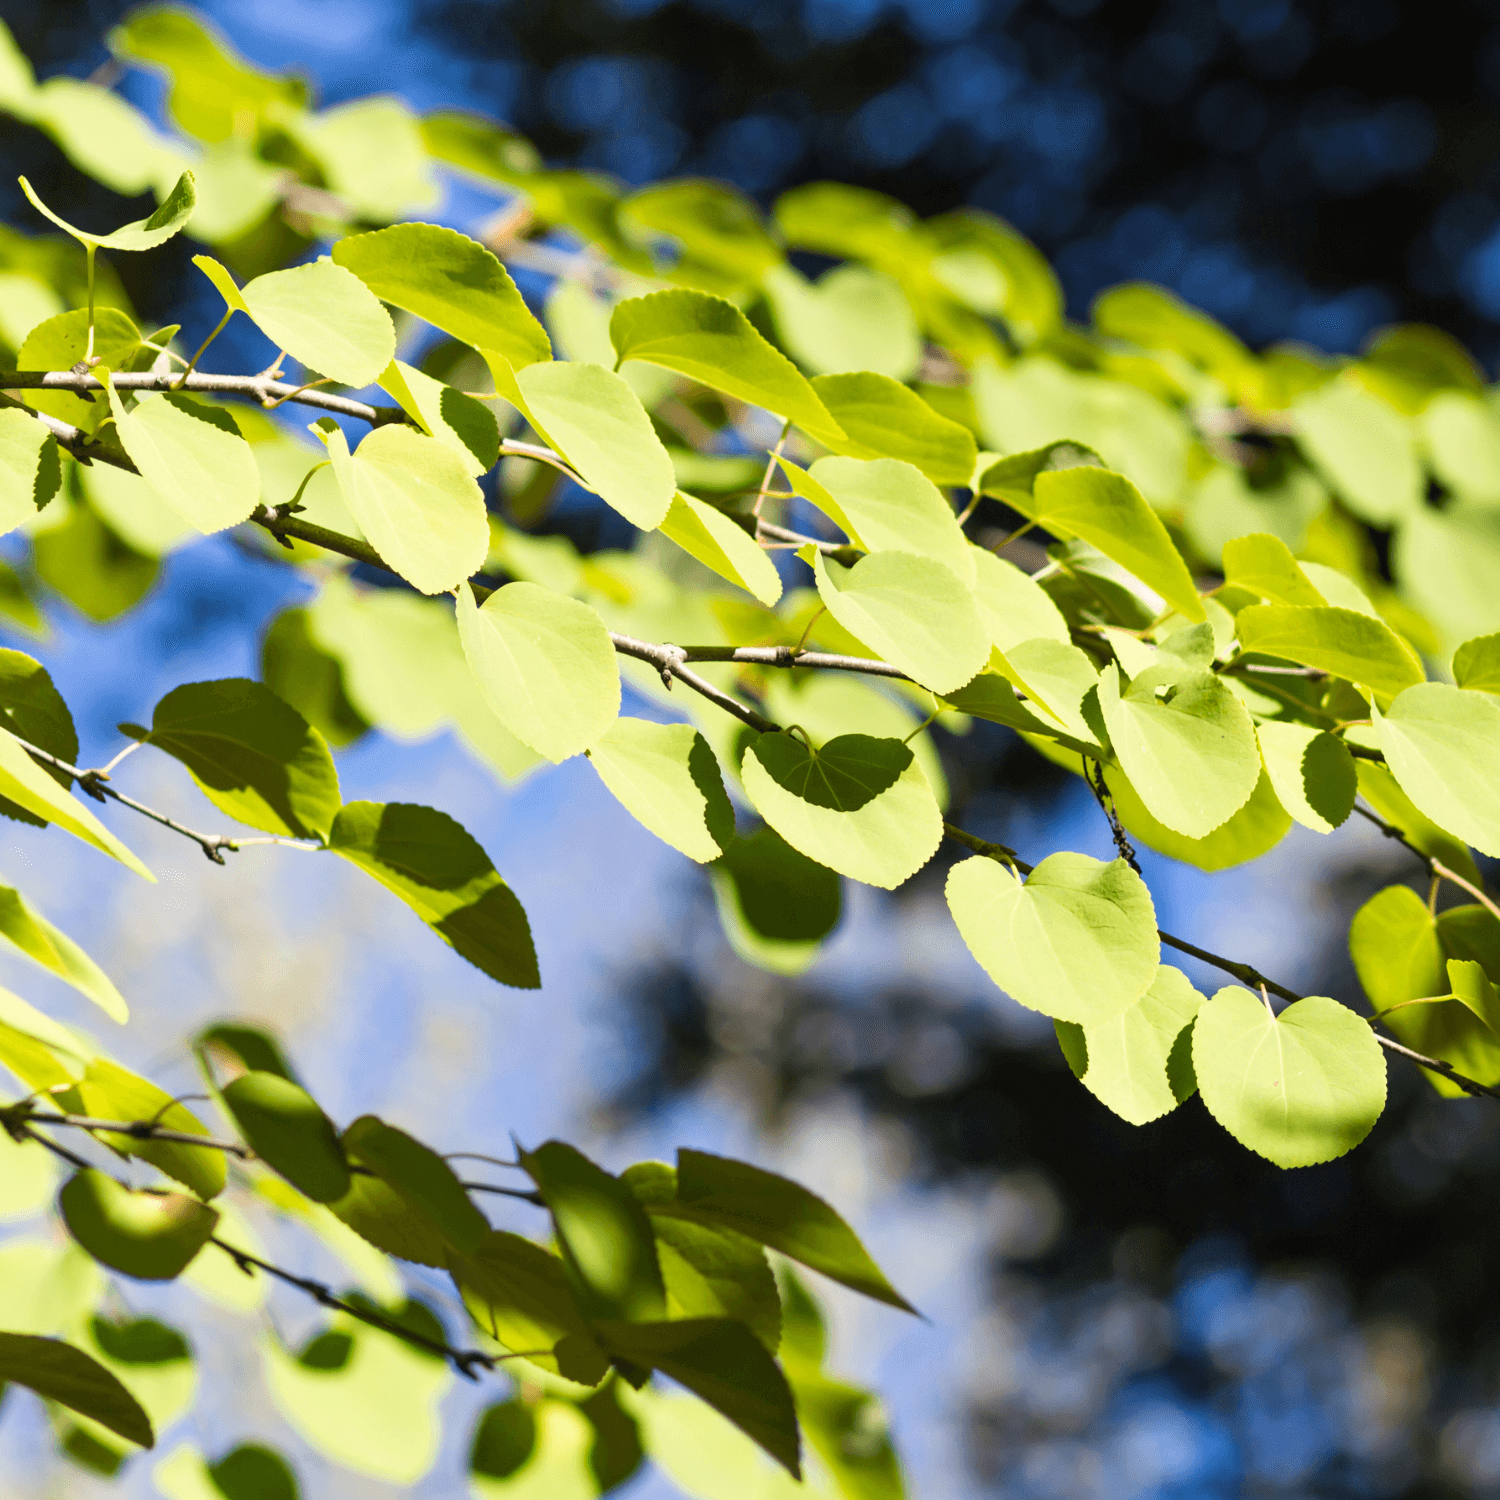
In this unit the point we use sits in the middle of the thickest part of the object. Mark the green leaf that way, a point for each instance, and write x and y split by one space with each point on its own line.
1299 1088
1340 641
893 506
88 563
1013 478
883 840
1140 1063
559 1466
416 501
134 511
594 419
1077 941
708 1271
1476 664
503 1440
248 1046
150 1236
24 782
1258 826
1378 787
1191 755
604 1233
719 543
110 1092
382 1217
438 869
1264 565
252 755
718 240
781 1214
287 1130
853 318
666 777
141 234
300 670
724 1364
68 1376
59 343
420 1176
882 418
1363 449
30 472
371 155
544 664
1107 510
454 418
916 613
1312 773
1154 319
1013 607
777 906
320 314
520 1295
452 282
30 932
712 341
249 1472
1442 744
191 454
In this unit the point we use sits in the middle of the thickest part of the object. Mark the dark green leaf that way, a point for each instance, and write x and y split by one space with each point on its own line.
420 1176
253 756
727 1366
446 878
251 1472
379 1214
503 1440
302 672
845 774
521 1295
781 1214
140 1341
91 566
67 1375
254 1048
152 1236
604 1232
288 1131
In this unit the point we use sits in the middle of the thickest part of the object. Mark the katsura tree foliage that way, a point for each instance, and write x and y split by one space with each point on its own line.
1262 590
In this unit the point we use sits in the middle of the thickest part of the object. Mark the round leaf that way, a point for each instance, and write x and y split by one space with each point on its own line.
666 777
882 837
882 418
416 501
1442 744
29 469
1311 772
545 665
916 613
152 1236
1077 941
288 1131
1299 1088
326 319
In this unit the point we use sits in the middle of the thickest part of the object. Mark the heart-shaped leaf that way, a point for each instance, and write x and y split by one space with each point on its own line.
288 1131
149 1235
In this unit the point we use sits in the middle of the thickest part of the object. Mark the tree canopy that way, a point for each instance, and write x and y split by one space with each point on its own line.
1231 590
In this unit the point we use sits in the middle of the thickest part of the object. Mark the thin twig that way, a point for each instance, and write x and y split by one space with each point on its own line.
138 1130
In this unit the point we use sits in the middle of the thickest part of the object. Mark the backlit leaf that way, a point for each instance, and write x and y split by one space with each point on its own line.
1191 755
883 840
285 1128
544 664
1311 772
1343 642
666 777
712 341
853 318
882 418
917 613
29 469
451 416
1264 564
721 544
777 906
1442 744
251 754
1140 1063
110 1092
1013 607
1298 1088
420 1176
604 1233
439 870
1476 664
1077 941
1363 449
30 932
192 455
142 234
416 501
594 419
452 282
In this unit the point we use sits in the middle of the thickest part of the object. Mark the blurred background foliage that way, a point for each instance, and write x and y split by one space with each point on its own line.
1148 1312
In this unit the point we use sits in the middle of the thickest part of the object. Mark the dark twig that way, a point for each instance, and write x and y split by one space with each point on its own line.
139 1130
1094 775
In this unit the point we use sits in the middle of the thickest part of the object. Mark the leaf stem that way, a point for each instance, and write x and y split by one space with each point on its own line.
203 348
